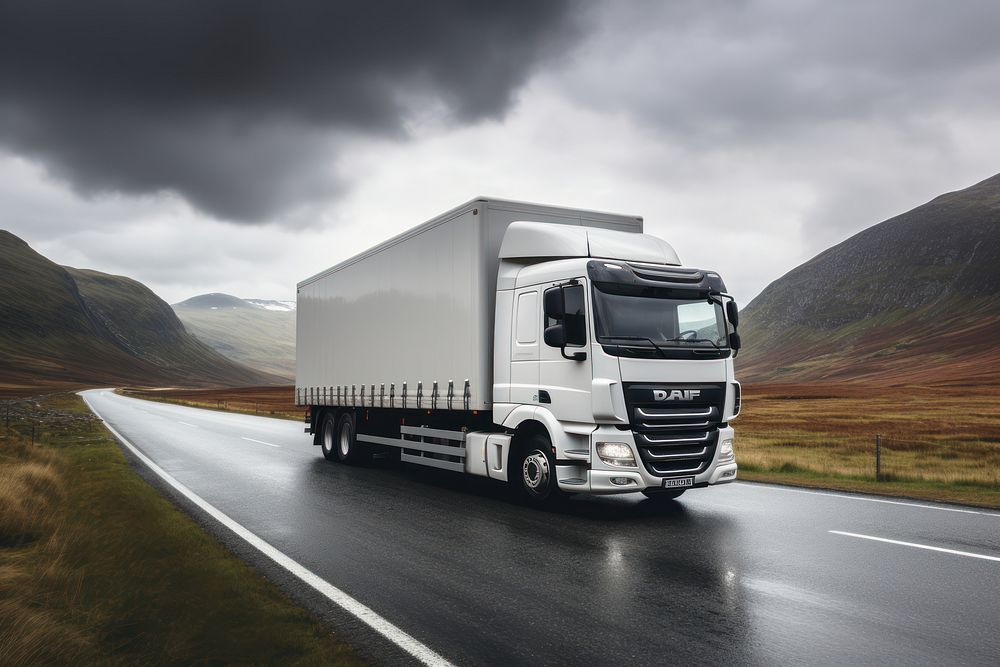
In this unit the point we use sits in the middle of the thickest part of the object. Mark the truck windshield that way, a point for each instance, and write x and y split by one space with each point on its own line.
651 317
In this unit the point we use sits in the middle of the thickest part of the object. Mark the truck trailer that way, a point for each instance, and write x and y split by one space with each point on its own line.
555 349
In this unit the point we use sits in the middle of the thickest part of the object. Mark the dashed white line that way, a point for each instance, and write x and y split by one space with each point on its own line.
262 442
394 634
954 552
870 500
186 424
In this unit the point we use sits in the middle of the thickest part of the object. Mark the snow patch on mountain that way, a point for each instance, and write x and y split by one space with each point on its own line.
272 304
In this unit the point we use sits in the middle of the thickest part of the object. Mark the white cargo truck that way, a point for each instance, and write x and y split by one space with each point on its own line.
556 349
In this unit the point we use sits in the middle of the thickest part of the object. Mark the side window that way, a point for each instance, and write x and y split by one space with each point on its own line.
527 318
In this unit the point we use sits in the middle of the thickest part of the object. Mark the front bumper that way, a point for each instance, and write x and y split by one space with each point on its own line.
597 478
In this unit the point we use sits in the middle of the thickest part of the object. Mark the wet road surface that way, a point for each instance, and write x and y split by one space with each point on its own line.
746 572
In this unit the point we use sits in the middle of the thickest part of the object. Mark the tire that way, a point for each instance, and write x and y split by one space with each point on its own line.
661 495
532 472
347 448
328 436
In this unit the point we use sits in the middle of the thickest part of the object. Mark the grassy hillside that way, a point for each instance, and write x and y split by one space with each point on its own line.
62 326
914 299
247 333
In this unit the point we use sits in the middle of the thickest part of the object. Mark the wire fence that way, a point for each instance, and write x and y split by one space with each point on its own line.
256 407
879 457
29 419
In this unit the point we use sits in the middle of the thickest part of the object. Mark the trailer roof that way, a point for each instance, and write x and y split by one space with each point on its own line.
445 217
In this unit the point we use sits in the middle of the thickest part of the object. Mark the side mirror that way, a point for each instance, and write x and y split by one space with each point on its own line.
554 304
555 335
733 313
570 328
735 342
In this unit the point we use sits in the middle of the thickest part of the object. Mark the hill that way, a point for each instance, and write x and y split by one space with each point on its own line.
63 326
214 301
914 299
259 333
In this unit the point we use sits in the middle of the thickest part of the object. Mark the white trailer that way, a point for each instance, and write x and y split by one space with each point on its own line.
448 345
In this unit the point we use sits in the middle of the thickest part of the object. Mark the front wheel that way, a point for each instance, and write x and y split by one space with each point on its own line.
532 473
662 494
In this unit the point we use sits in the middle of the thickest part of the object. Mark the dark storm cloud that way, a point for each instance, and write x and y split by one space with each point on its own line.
238 106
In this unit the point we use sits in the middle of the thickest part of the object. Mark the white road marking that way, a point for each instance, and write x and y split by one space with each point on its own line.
394 634
917 546
870 500
186 424
262 442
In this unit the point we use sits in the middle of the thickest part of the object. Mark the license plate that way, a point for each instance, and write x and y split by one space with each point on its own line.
678 481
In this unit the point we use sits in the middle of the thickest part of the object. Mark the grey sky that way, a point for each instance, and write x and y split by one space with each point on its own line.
204 147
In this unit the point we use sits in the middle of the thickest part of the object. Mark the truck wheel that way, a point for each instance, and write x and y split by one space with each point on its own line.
347 448
533 472
328 436
662 494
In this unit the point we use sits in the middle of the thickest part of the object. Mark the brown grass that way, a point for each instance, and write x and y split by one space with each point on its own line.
28 490
939 443
97 568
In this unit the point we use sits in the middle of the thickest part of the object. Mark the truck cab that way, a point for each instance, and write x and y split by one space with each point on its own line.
622 354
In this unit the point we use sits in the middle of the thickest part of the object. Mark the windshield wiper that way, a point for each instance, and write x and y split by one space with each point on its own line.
649 340
693 340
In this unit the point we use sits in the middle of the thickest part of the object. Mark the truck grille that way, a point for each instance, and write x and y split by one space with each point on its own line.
676 426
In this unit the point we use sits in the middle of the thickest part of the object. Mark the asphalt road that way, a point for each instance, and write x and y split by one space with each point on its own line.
743 572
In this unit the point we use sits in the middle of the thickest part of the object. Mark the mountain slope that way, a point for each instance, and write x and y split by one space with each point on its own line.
60 325
913 299
253 332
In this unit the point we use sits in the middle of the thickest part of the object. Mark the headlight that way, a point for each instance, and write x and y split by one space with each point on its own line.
726 453
616 454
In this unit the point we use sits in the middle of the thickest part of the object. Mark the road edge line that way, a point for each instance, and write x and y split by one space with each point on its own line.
954 552
397 636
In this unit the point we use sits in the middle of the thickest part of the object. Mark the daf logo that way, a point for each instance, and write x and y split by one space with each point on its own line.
676 394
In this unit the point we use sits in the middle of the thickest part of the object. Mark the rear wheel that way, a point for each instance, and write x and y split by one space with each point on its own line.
347 448
532 473
328 436
662 494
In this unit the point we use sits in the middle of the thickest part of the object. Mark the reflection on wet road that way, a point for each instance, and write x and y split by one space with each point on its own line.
743 572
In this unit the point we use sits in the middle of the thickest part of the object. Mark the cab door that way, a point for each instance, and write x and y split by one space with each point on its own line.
524 346
564 382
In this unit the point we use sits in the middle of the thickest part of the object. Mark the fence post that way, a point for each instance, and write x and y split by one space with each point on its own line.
878 457
255 407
